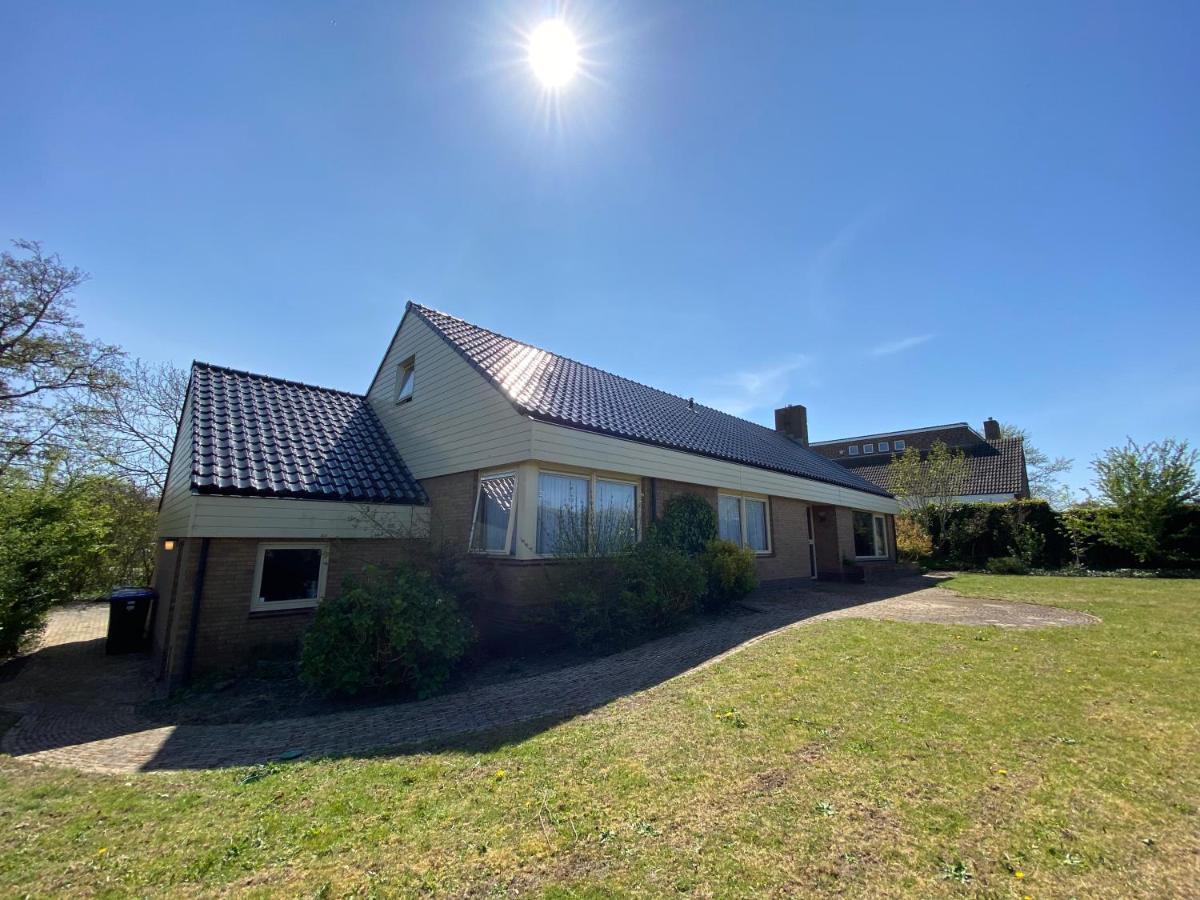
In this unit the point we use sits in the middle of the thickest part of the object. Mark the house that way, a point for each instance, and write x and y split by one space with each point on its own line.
469 439
996 469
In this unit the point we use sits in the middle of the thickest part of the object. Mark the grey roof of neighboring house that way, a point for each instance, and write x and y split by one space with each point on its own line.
993 467
253 435
959 434
558 390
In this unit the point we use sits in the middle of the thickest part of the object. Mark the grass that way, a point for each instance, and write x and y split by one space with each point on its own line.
870 758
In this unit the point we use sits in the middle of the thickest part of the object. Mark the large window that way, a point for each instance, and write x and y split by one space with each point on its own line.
870 536
743 520
289 576
491 530
579 514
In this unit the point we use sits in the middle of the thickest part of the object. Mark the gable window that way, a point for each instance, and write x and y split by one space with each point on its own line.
405 375
289 576
899 445
870 536
853 449
578 514
744 521
883 447
868 448
492 527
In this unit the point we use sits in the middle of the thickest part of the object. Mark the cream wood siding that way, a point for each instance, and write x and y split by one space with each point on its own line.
175 513
457 420
574 447
274 517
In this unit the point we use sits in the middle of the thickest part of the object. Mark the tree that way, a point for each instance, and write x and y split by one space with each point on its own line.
46 362
1044 471
129 429
1147 486
928 484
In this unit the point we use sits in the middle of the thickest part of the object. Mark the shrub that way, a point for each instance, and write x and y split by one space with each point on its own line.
913 543
688 523
588 604
389 630
1007 565
729 573
660 587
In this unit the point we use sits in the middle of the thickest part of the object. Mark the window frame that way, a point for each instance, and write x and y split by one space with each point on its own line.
874 535
257 604
406 368
884 447
742 498
853 449
512 513
592 477
868 448
898 446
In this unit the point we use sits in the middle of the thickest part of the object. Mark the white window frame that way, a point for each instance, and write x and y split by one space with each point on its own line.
592 478
868 448
409 368
257 604
874 517
898 445
853 449
884 447
512 513
741 499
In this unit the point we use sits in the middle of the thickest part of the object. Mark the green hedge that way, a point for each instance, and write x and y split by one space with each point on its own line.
976 533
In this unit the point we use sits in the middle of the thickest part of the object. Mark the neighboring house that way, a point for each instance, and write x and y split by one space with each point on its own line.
995 465
277 489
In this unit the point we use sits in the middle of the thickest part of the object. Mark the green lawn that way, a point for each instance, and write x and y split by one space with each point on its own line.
871 758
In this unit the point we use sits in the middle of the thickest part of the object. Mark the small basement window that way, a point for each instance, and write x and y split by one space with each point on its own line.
870 536
289 576
492 527
405 374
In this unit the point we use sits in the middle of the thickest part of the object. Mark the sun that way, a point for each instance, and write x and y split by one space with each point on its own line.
553 54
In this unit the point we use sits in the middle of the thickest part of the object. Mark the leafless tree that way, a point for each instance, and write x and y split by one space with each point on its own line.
46 362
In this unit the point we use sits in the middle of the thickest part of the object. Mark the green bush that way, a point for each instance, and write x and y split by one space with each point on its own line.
660 587
688 523
729 573
388 631
1007 565
588 607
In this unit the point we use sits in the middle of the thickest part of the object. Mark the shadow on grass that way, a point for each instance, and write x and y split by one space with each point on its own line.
480 718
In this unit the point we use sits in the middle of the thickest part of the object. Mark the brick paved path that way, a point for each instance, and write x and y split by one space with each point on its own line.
77 705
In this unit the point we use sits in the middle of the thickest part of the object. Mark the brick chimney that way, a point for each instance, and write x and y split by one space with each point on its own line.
793 421
991 429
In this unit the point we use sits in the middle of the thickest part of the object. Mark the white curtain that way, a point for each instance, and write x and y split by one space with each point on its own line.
756 525
730 519
616 515
562 513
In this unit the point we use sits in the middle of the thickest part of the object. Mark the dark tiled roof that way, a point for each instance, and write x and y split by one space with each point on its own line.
555 389
265 437
958 435
993 467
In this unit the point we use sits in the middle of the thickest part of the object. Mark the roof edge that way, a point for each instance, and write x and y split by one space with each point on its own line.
198 363
902 431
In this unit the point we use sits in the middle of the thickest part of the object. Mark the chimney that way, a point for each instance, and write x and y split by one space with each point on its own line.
991 429
793 421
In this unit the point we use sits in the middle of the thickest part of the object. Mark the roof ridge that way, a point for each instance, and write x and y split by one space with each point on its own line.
196 363
422 310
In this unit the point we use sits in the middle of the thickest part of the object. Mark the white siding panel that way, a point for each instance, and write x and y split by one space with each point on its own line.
456 420
175 512
267 517
569 446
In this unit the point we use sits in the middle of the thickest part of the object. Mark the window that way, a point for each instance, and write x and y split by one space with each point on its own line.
870 536
289 576
883 447
899 446
491 530
744 521
868 448
405 374
854 450
582 513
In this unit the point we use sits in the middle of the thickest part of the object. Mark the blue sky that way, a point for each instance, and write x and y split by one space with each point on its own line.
896 214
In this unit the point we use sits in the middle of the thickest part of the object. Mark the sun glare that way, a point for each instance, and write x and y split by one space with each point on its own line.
553 53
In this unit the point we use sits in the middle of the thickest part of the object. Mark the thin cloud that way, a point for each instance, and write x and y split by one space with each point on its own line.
901 345
823 267
742 392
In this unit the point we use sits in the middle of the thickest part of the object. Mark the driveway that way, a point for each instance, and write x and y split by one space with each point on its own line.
78 707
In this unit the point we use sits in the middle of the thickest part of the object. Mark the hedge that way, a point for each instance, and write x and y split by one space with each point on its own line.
978 532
